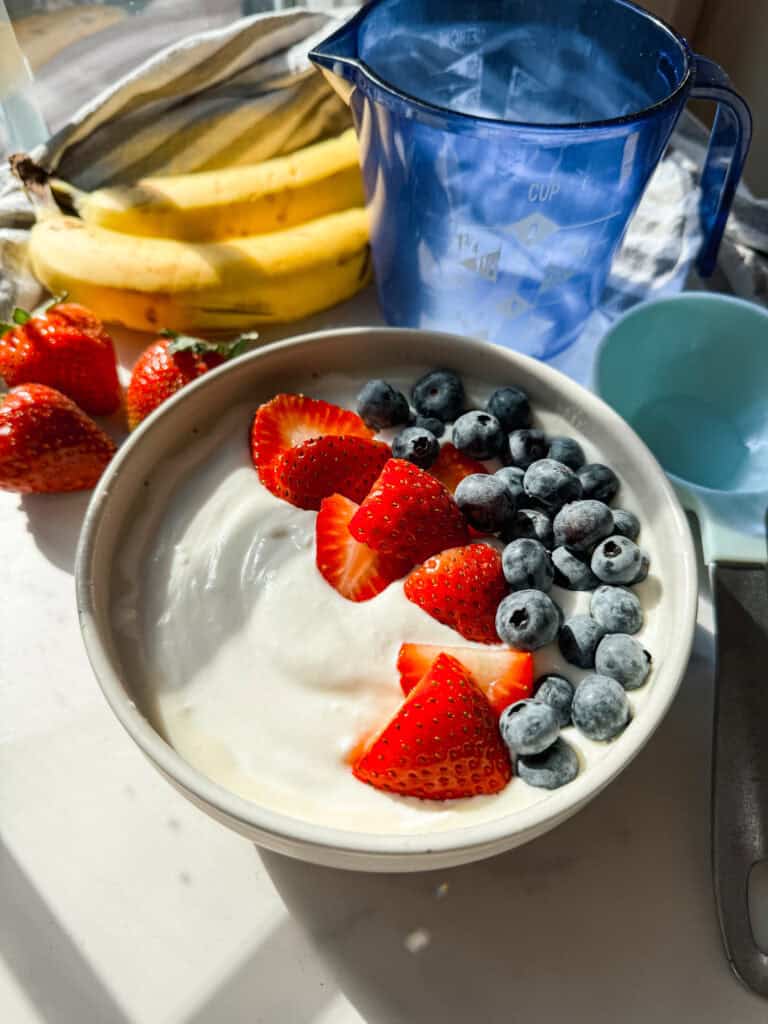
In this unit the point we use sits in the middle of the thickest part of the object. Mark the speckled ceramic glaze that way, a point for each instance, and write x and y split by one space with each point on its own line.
182 423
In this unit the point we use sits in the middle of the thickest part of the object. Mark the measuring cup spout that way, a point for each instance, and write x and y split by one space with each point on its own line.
337 58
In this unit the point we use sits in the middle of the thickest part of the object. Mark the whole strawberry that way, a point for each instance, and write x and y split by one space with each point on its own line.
67 348
169 363
48 444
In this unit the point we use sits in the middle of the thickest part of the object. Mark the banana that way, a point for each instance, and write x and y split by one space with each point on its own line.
235 202
151 283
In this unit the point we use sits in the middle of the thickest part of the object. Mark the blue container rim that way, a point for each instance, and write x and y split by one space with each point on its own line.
459 117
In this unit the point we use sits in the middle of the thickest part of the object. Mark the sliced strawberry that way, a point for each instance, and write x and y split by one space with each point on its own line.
504 676
451 466
443 742
288 420
409 513
328 465
352 568
461 588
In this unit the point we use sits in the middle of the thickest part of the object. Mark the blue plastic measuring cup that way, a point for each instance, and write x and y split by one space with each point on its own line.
506 143
690 373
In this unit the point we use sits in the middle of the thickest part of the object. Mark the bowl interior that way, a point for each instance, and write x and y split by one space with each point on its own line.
690 374
134 487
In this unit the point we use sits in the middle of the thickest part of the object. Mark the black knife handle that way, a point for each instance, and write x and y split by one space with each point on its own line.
740 761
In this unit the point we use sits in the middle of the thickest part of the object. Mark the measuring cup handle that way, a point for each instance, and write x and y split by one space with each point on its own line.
728 148
740 764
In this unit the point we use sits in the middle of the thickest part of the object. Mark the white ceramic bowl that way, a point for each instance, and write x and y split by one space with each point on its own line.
371 352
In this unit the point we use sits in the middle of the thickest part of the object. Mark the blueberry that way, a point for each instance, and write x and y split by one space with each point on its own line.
531 523
527 565
485 501
582 524
478 434
616 560
598 482
551 484
528 727
416 445
379 405
556 691
511 408
626 524
551 769
439 393
430 423
617 609
622 658
642 572
566 450
525 447
513 478
578 640
527 620
600 707
571 573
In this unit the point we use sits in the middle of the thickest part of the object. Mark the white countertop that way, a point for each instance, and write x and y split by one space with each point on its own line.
120 902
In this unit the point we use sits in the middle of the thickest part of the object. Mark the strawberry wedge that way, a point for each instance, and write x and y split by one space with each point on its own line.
353 569
451 466
504 676
462 588
442 743
327 465
286 421
409 513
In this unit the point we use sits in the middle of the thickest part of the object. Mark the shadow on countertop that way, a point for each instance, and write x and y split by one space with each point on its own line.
608 917
54 520
46 962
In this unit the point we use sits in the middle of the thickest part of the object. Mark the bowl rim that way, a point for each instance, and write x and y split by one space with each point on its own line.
284 829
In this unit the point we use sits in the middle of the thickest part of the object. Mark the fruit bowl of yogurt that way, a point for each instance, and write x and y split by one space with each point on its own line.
263 655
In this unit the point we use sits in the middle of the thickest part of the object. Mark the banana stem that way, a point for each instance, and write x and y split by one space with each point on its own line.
36 181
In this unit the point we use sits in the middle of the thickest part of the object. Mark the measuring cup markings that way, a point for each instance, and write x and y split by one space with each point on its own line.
457 38
513 307
477 253
478 257
592 223
583 105
555 276
521 82
470 66
470 96
486 266
543 191
533 229
520 288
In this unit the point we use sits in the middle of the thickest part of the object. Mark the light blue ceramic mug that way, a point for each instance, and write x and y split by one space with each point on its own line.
690 374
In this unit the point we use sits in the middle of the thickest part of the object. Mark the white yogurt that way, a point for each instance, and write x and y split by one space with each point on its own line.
261 675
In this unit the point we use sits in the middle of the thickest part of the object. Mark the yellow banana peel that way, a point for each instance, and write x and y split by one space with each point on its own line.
233 202
150 283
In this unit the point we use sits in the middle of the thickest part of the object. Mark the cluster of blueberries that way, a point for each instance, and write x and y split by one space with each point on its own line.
552 511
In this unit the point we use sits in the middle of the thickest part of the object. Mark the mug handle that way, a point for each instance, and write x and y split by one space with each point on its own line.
728 147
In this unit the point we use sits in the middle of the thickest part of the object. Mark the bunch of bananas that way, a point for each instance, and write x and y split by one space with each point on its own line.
215 250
